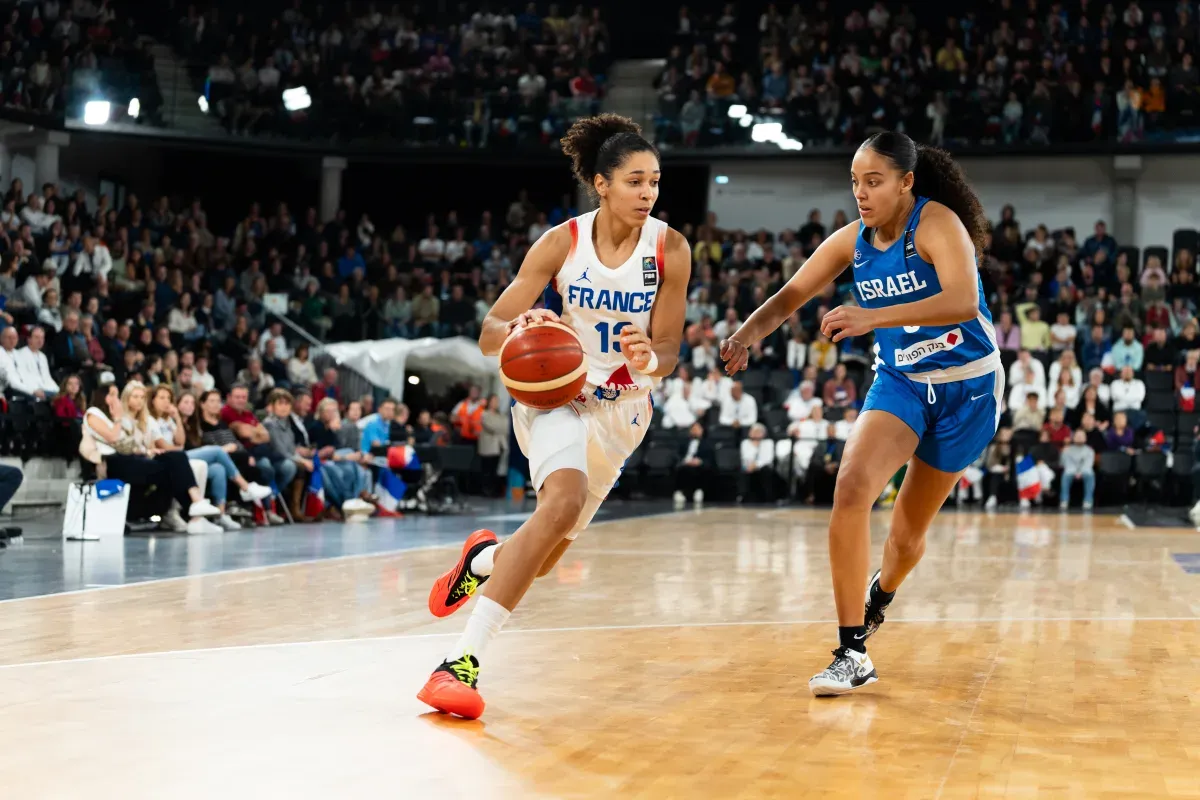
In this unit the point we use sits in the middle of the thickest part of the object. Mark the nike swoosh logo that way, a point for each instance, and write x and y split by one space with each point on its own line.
858 638
863 264
976 397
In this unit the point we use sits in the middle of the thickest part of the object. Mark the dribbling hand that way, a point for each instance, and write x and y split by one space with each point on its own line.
636 347
534 316
735 355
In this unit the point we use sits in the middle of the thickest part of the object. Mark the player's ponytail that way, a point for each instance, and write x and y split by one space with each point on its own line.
939 177
597 145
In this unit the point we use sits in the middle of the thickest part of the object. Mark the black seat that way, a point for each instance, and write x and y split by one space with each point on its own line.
776 420
1156 250
723 435
1113 478
1159 382
754 381
728 459
1160 401
780 384
1115 463
1134 254
1183 239
1164 421
1186 425
660 457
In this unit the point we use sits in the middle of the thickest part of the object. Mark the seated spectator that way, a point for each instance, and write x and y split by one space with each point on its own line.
1128 351
1119 435
739 410
169 434
301 371
1187 378
1078 463
1030 416
287 457
681 409
1160 355
121 439
801 402
695 466
258 382
1035 333
10 481
206 427
34 368
69 403
11 381
1090 404
327 388
1066 363
1055 430
1008 334
822 353
844 426
378 432
1029 372
822 470
1062 334
346 479
1128 392
203 379
998 466
840 391
1097 351
493 442
713 388
71 347
757 482
426 313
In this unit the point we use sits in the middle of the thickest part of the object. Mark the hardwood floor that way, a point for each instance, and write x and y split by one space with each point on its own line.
1035 656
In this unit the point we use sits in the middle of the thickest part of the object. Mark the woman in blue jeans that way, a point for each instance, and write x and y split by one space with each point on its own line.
167 420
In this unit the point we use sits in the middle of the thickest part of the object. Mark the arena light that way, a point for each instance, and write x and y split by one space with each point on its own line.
767 132
202 101
135 108
296 99
737 111
790 144
413 380
96 112
722 179
746 121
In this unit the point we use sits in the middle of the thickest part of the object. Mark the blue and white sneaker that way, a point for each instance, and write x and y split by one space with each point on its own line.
850 670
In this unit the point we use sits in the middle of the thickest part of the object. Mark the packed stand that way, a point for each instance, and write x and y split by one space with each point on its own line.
141 341
400 74
1101 347
55 55
1002 72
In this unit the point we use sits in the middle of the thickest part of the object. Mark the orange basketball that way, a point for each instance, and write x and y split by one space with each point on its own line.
543 365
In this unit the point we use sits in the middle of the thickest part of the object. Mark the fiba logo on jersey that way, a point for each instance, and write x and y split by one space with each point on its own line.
649 271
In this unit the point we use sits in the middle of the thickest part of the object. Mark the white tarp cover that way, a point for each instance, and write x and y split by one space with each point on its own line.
439 362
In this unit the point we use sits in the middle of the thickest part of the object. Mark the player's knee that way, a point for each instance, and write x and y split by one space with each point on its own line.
559 514
852 492
907 544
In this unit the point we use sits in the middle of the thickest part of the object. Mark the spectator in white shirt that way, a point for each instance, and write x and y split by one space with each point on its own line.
728 324
679 411
1029 372
739 410
432 249
34 368
704 357
268 75
802 401
11 381
712 389
1128 393
38 220
758 456
1062 335
1096 379
539 228
797 350
456 248
202 379
844 426
94 259
674 384
275 334
805 435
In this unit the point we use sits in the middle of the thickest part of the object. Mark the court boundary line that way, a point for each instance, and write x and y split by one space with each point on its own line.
399 637
281 565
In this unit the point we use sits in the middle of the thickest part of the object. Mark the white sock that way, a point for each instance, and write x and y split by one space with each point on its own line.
487 618
481 565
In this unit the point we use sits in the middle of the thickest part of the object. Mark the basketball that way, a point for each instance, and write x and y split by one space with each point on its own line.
543 365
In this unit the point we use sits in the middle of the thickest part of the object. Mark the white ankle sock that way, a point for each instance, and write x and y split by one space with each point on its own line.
481 565
487 618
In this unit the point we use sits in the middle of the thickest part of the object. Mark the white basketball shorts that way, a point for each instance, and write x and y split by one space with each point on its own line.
595 437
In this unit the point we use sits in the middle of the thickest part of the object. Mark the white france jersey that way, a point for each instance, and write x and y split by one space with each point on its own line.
598 301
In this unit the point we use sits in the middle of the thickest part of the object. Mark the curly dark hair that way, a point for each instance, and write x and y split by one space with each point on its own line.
597 145
939 177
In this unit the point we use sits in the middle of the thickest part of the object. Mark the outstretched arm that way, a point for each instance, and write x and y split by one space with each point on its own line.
512 308
667 318
825 264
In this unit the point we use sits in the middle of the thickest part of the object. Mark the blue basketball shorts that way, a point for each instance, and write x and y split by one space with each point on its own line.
954 421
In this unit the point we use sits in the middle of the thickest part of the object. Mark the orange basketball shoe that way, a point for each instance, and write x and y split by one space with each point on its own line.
451 688
455 587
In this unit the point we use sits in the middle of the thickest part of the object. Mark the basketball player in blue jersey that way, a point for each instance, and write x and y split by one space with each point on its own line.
618 277
935 402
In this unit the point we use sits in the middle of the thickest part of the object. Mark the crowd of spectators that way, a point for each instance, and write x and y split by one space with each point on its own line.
1001 71
55 55
469 78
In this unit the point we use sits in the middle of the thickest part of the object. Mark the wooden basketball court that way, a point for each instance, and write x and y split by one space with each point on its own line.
1039 656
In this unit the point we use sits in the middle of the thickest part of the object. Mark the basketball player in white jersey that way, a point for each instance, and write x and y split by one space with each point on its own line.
619 278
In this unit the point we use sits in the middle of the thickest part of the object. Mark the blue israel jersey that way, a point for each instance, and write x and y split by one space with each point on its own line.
897 275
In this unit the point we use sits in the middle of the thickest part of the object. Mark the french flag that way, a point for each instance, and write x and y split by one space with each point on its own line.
390 489
1029 483
403 456
314 500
